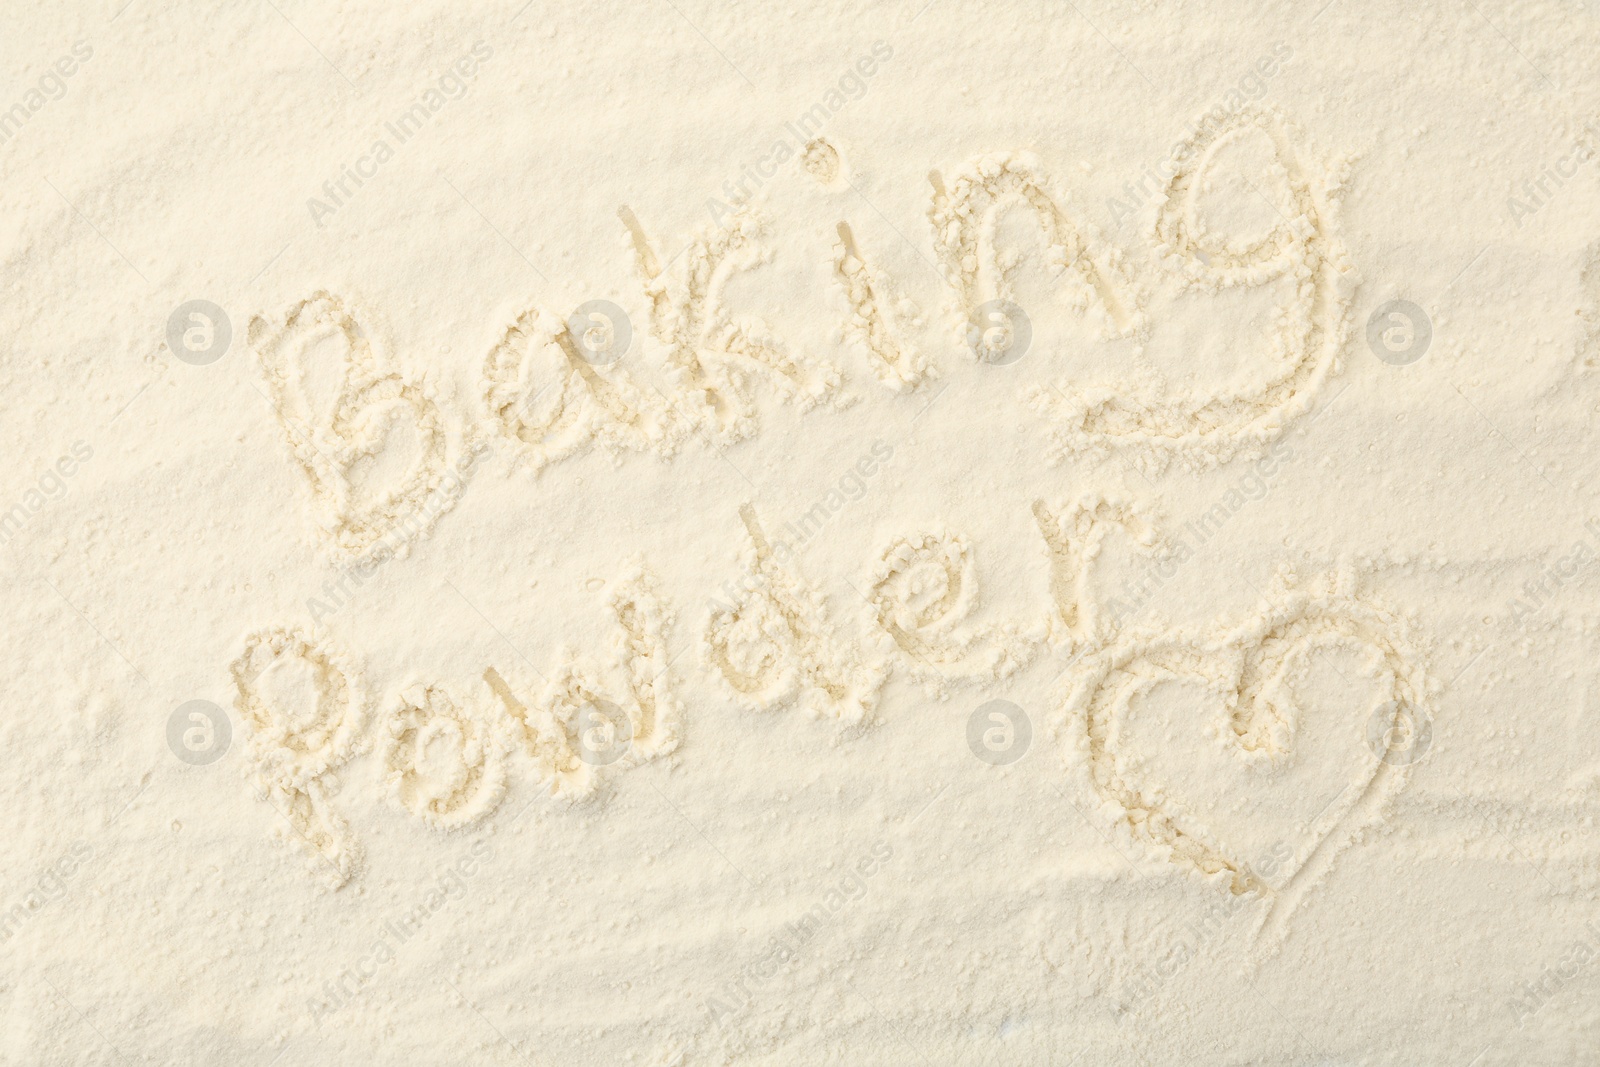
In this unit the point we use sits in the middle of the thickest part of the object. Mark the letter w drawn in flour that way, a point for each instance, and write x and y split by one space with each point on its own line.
545 397
1300 258
591 716
370 442
711 354
774 646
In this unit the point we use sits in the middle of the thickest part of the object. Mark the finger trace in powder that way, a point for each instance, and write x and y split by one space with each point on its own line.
871 324
543 396
821 161
711 355
334 441
774 645
1251 667
1589 312
305 711
1302 255
1073 536
444 763
923 590
595 717
965 214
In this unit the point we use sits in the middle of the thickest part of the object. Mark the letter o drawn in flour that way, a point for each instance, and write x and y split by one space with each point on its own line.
999 733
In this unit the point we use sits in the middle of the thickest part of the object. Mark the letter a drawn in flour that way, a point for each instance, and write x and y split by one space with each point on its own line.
774 646
305 710
369 441
711 354
1300 258
551 403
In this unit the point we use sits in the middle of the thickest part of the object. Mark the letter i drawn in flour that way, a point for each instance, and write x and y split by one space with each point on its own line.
711 355
774 646
369 441
548 400
875 317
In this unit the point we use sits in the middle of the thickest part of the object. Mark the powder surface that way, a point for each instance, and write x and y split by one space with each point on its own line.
878 533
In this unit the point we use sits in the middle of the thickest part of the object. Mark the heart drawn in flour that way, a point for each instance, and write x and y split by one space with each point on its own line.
1241 749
